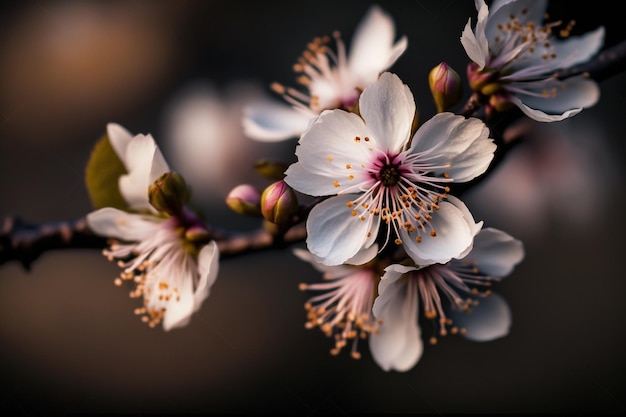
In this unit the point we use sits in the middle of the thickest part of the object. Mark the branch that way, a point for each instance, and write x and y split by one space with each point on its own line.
24 242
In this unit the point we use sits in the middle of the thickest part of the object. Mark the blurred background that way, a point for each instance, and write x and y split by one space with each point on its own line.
181 70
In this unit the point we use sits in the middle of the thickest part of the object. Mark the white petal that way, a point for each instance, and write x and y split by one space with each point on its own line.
489 320
541 116
572 96
179 310
270 121
397 345
472 47
111 222
388 108
577 50
451 139
144 163
525 11
334 235
329 159
208 267
119 138
455 235
372 50
496 253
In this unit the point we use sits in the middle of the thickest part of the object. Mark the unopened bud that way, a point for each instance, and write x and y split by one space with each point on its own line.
270 169
445 86
197 234
500 102
169 193
245 199
479 79
278 202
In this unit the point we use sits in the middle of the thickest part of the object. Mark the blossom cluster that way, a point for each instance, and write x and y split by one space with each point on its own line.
395 244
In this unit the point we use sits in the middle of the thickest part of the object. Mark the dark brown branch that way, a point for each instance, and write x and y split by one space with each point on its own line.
24 242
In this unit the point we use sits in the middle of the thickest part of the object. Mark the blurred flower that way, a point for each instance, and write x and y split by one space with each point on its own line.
558 177
448 292
203 135
169 257
375 172
516 55
333 80
343 309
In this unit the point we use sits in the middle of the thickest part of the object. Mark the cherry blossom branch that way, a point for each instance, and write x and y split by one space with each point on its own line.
25 242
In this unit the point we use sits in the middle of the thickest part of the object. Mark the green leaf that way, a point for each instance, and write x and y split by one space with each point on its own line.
104 169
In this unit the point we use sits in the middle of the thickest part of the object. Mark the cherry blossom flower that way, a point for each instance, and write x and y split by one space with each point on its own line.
374 171
343 309
515 56
333 80
167 256
455 295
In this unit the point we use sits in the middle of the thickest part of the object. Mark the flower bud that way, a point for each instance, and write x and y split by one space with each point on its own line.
479 79
500 102
278 202
197 234
244 199
270 169
169 193
445 86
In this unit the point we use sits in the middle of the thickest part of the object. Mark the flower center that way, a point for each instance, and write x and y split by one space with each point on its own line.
389 175
459 284
343 310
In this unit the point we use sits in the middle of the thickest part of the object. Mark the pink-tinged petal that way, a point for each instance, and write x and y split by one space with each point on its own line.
145 164
334 235
496 253
388 108
180 308
111 222
397 345
119 138
461 147
489 320
270 121
208 267
577 50
372 50
572 95
454 235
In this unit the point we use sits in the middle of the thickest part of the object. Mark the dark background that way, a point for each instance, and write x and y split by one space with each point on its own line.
69 342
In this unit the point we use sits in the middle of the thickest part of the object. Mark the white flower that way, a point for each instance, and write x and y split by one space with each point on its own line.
343 309
333 80
168 258
515 53
448 293
375 172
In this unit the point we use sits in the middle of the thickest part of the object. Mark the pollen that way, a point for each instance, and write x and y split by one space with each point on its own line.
329 158
336 183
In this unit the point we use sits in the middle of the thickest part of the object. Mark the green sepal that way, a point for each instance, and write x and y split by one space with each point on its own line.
102 174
